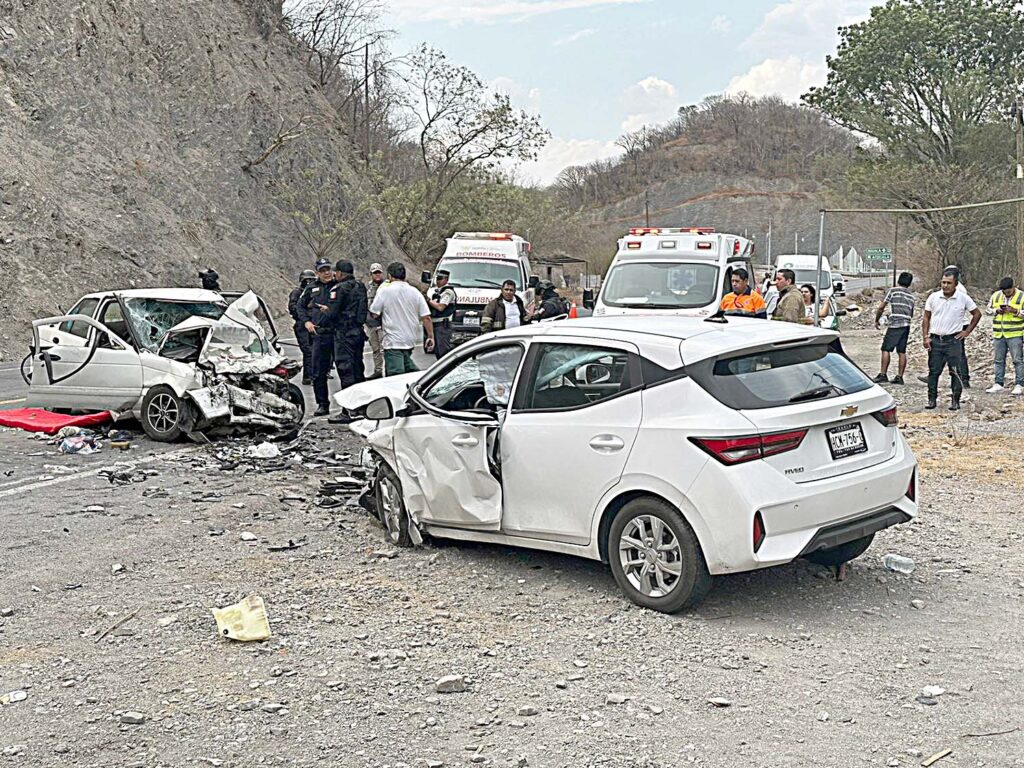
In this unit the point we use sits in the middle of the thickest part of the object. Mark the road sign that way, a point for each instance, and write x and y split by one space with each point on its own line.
879 254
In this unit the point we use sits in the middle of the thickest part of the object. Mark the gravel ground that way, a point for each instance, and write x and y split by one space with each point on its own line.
558 668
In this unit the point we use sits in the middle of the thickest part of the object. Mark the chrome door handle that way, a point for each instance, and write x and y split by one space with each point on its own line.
607 444
465 441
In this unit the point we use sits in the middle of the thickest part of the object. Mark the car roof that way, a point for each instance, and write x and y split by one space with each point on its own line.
164 294
668 338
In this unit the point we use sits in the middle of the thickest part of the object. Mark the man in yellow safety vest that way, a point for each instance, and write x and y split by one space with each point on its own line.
1007 304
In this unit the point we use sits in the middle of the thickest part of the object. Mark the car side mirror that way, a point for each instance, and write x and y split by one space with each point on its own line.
534 281
588 299
425 278
594 373
380 409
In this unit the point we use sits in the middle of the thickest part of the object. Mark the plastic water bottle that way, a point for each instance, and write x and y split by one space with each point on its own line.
898 563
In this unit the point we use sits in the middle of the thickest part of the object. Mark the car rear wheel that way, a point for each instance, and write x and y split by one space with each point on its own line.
655 557
161 414
387 489
844 553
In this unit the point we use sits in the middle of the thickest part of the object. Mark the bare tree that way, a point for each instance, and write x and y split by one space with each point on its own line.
282 136
336 32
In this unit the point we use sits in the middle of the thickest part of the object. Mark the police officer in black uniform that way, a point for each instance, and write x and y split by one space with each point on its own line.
552 305
347 315
443 303
210 279
313 308
302 336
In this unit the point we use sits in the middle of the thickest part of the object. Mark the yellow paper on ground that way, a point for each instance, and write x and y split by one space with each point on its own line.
245 620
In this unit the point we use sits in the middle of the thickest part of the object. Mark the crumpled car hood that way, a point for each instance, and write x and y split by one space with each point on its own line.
392 387
237 342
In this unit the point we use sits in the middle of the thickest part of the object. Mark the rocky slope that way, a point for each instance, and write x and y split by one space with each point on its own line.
125 126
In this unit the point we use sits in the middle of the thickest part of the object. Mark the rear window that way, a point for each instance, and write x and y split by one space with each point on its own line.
777 377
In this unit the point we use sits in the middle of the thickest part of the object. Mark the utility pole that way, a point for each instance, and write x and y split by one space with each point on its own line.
366 93
769 243
796 246
895 245
1018 129
647 209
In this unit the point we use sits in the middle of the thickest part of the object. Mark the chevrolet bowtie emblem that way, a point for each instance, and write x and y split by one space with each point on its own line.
849 410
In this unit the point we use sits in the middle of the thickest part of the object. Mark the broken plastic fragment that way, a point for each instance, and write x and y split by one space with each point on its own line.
245 621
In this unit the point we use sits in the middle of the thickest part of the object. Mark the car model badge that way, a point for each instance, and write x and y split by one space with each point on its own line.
849 410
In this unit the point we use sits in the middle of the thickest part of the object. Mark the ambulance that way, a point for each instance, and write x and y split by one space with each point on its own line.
672 270
479 262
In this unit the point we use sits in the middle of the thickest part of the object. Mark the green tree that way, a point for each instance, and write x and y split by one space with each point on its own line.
932 81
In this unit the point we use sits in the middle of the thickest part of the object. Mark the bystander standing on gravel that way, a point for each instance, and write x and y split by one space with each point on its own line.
790 307
1007 304
943 333
402 310
900 302
374 331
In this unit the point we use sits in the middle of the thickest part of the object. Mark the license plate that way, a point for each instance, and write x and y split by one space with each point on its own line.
471 321
846 440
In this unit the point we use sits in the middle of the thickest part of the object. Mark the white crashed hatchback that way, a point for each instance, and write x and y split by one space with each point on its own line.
673 449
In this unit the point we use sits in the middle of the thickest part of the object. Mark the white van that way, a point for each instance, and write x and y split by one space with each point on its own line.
805 268
479 262
668 270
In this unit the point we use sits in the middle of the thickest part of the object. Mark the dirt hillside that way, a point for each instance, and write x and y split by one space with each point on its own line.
124 129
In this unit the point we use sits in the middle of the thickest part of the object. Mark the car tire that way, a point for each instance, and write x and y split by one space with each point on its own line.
679 578
294 396
387 491
844 553
161 414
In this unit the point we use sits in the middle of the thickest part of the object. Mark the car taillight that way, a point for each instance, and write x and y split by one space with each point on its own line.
758 531
887 418
737 450
280 371
912 487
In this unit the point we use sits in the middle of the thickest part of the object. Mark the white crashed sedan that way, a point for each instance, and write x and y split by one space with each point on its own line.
181 360
673 449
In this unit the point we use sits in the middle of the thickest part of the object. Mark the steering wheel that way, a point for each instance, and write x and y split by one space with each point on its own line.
482 403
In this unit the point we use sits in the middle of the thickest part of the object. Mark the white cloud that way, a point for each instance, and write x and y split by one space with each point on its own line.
652 100
575 36
559 154
721 24
789 78
489 11
522 96
805 28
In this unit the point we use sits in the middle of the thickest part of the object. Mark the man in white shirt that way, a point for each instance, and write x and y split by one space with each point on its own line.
943 332
402 310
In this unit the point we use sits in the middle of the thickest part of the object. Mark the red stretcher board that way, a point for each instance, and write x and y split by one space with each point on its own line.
48 422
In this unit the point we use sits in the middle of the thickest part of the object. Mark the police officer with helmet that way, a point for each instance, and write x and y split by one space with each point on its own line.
302 336
313 309
443 303
552 305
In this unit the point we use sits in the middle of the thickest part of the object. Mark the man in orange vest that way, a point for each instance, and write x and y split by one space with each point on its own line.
742 300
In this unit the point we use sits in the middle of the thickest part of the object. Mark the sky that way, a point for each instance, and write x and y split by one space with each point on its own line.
594 69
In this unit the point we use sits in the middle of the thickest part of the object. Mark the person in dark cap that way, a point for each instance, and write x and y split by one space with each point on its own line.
346 316
313 308
210 278
443 303
302 336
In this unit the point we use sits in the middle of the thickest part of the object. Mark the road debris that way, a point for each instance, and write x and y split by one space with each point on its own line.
292 544
83 445
133 718
720 702
119 623
898 564
245 621
936 757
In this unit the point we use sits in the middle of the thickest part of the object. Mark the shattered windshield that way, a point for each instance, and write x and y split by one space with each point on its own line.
152 318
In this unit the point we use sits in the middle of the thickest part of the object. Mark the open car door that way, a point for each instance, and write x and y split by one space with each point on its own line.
98 372
446 450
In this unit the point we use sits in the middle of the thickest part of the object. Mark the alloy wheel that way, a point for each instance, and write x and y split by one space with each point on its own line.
163 412
650 555
391 508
